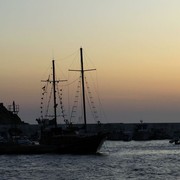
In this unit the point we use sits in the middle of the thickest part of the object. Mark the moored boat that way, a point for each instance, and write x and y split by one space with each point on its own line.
70 140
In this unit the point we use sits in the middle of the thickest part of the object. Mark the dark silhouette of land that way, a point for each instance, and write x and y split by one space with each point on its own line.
117 131
8 117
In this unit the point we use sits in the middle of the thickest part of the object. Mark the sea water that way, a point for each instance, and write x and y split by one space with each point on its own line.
118 160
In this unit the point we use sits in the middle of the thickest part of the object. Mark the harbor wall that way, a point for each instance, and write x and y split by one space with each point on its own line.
117 131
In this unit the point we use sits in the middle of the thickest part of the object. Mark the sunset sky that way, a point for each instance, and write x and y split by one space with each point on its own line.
134 44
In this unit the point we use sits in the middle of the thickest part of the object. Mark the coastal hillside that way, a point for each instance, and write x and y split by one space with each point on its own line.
8 117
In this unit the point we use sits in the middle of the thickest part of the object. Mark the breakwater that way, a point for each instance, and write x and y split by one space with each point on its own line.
117 131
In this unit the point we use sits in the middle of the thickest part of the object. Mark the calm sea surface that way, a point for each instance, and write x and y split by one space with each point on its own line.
118 160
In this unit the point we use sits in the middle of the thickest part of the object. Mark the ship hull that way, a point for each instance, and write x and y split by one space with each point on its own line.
63 144
76 144
83 145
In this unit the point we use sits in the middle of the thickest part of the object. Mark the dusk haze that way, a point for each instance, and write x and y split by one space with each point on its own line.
132 44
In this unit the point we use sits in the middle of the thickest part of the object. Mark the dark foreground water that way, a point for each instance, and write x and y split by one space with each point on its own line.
118 160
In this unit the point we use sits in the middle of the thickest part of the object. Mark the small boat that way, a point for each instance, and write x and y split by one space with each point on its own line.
176 141
22 145
71 139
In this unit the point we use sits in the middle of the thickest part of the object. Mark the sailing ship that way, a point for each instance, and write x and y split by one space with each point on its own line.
71 139
56 139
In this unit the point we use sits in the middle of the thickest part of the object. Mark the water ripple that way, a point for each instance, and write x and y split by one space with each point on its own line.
118 160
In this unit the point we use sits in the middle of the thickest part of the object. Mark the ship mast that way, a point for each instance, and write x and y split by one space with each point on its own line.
54 94
83 88
54 83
